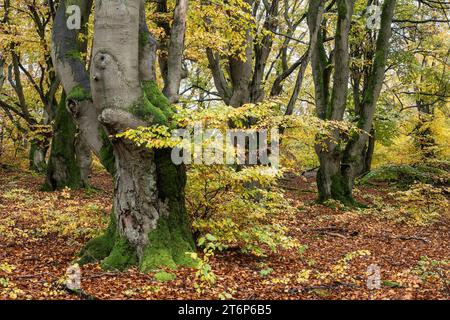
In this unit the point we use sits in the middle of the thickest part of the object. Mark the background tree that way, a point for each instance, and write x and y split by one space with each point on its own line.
149 224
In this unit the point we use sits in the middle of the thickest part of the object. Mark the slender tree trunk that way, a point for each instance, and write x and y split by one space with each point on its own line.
342 158
353 160
368 155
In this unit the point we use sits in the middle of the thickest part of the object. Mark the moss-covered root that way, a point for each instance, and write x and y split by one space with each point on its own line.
113 251
63 169
100 247
340 191
168 245
122 256
172 238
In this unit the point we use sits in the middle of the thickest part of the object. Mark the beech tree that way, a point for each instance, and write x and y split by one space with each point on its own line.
149 225
30 96
341 156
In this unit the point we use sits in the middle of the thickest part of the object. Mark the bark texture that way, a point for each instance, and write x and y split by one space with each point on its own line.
342 158
37 157
63 170
149 225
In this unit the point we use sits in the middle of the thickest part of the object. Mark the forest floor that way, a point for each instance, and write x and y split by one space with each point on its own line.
41 233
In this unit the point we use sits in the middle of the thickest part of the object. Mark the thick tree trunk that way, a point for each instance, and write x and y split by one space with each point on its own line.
149 224
342 160
331 182
63 170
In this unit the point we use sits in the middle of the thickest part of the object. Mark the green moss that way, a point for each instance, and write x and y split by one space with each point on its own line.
168 243
339 191
342 8
122 256
107 153
74 54
167 248
143 39
74 2
172 238
99 248
62 153
145 110
158 252
79 93
114 252
163 276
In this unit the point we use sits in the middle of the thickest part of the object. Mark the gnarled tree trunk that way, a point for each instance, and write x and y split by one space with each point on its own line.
149 225
63 170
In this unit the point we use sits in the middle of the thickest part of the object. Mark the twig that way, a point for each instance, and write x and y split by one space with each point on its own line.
334 234
412 238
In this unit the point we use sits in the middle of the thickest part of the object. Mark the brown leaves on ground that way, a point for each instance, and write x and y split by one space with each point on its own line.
41 233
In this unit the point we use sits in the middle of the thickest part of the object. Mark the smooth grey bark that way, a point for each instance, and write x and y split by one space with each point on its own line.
147 49
173 46
70 157
37 157
116 89
263 50
327 149
75 80
353 164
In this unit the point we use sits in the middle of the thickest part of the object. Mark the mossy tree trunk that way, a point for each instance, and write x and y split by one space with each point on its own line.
63 170
149 225
342 155
368 153
423 134
330 181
